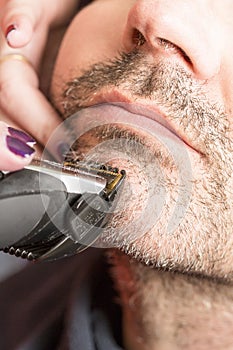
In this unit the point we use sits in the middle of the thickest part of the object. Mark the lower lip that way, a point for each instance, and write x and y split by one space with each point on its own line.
144 192
120 113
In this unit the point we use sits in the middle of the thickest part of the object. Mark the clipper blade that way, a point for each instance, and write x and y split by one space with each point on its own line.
113 176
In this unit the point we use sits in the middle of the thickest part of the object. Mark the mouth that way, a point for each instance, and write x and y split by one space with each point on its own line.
133 138
144 123
145 114
162 156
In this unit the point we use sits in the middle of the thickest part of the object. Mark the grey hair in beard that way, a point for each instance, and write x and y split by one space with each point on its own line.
186 104
170 86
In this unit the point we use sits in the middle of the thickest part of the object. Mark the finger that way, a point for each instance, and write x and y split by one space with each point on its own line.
19 20
18 30
16 148
7 120
28 107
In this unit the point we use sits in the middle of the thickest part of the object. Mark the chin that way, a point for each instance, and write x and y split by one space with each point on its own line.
164 217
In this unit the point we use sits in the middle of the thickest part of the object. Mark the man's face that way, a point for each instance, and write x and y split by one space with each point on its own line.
165 67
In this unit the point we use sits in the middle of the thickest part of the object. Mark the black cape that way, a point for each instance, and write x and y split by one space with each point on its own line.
63 305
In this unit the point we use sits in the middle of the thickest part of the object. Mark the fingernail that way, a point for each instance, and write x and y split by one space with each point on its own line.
21 135
19 147
9 29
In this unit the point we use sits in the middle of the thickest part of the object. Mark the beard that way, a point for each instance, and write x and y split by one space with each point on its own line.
202 242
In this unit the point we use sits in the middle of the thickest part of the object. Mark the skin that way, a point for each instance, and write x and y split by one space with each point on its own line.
32 22
175 284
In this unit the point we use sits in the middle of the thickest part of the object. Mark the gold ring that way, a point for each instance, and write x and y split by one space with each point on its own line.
17 57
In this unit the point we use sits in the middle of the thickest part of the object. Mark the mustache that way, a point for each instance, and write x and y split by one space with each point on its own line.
167 83
183 98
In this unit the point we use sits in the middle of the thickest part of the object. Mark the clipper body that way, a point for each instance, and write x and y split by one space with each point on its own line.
49 211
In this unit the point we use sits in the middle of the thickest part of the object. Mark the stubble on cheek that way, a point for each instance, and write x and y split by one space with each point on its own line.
152 184
158 193
202 242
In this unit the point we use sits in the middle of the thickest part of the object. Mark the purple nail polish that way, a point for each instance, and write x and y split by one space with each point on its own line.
21 135
19 147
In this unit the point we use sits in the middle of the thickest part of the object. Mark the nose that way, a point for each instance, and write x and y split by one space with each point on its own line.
187 31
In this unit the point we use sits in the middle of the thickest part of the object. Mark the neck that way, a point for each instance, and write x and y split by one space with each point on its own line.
167 311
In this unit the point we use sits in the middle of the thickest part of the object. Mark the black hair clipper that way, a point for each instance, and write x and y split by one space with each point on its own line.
50 210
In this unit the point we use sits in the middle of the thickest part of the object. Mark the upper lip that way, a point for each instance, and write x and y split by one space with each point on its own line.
147 108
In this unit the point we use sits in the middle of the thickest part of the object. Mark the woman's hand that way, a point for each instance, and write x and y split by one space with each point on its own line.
24 28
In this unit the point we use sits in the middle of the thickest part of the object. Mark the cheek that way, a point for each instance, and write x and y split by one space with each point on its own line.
94 36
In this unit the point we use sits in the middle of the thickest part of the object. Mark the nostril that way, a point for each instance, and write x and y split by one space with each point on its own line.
138 38
186 57
168 46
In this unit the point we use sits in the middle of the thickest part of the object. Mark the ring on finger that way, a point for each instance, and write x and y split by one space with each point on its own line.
17 57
